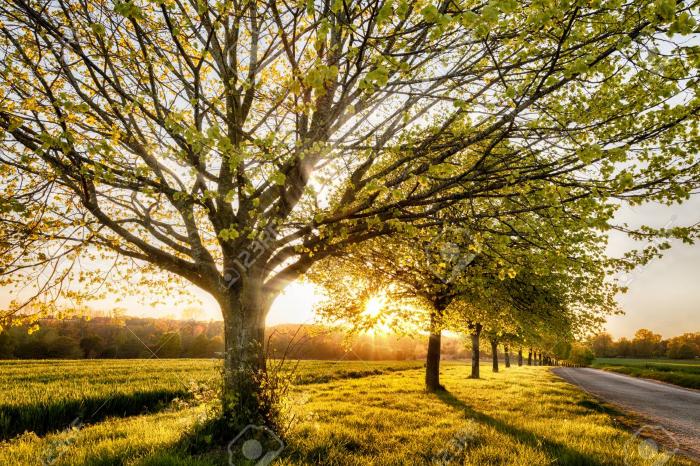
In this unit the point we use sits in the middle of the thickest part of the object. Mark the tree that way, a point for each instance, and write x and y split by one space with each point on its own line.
624 347
216 345
686 346
679 350
91 346
169 346
602 345
7 345
200 347
63 348
645 343
191 138
581 355
494 352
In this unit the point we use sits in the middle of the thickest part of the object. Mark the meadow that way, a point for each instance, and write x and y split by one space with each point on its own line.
339 413
41 396
685 373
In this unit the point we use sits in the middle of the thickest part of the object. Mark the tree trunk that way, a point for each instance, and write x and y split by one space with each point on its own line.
506 350
247 396
529 357
476 333
520 356
432 362
540 358
494 354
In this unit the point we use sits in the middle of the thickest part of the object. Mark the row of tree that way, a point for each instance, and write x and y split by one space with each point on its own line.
236 145
647 344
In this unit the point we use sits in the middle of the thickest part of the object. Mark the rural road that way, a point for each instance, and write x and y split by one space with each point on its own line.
675 409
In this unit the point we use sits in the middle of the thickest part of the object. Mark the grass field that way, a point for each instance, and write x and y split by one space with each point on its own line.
41 396
349 413
685 373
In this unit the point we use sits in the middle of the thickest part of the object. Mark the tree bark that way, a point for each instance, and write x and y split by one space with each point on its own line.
540 358
476 333
520 356
246 396
529 357
432 362
506 350
494 354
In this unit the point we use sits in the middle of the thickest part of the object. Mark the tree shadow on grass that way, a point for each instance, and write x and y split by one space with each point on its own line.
45 417
563 454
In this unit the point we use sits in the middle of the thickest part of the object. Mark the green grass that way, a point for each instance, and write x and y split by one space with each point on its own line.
685 373
521 416
41 396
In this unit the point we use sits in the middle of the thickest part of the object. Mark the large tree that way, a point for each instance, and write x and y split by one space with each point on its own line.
192 136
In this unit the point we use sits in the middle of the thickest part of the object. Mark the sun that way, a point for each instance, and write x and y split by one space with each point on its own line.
374 306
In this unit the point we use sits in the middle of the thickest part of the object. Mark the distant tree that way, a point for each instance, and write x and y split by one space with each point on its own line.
216 345
686 346
603 345
169 346
200 347
581 355
110 352
623 348
562 350
7 345
646 343
91 346
64 348
130 347
681 350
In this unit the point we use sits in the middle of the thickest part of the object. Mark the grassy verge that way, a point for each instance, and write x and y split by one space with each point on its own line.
521 416
685 373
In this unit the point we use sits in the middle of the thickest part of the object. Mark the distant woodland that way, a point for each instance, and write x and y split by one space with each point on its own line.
136 337
126 337
647 344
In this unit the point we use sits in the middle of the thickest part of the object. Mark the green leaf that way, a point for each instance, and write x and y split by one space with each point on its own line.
385 12
128 10
431 14
278 178
98 29
402 9
589 153
665 9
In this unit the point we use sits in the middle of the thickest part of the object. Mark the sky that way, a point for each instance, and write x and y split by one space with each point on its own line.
664 296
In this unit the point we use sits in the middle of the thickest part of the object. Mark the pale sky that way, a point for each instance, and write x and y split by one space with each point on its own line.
665 295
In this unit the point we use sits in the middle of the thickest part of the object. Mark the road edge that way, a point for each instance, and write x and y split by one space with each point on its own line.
628 419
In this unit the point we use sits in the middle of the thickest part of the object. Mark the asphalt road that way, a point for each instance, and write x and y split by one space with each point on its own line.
674 408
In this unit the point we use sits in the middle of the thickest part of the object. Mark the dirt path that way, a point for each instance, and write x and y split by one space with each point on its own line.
674 408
